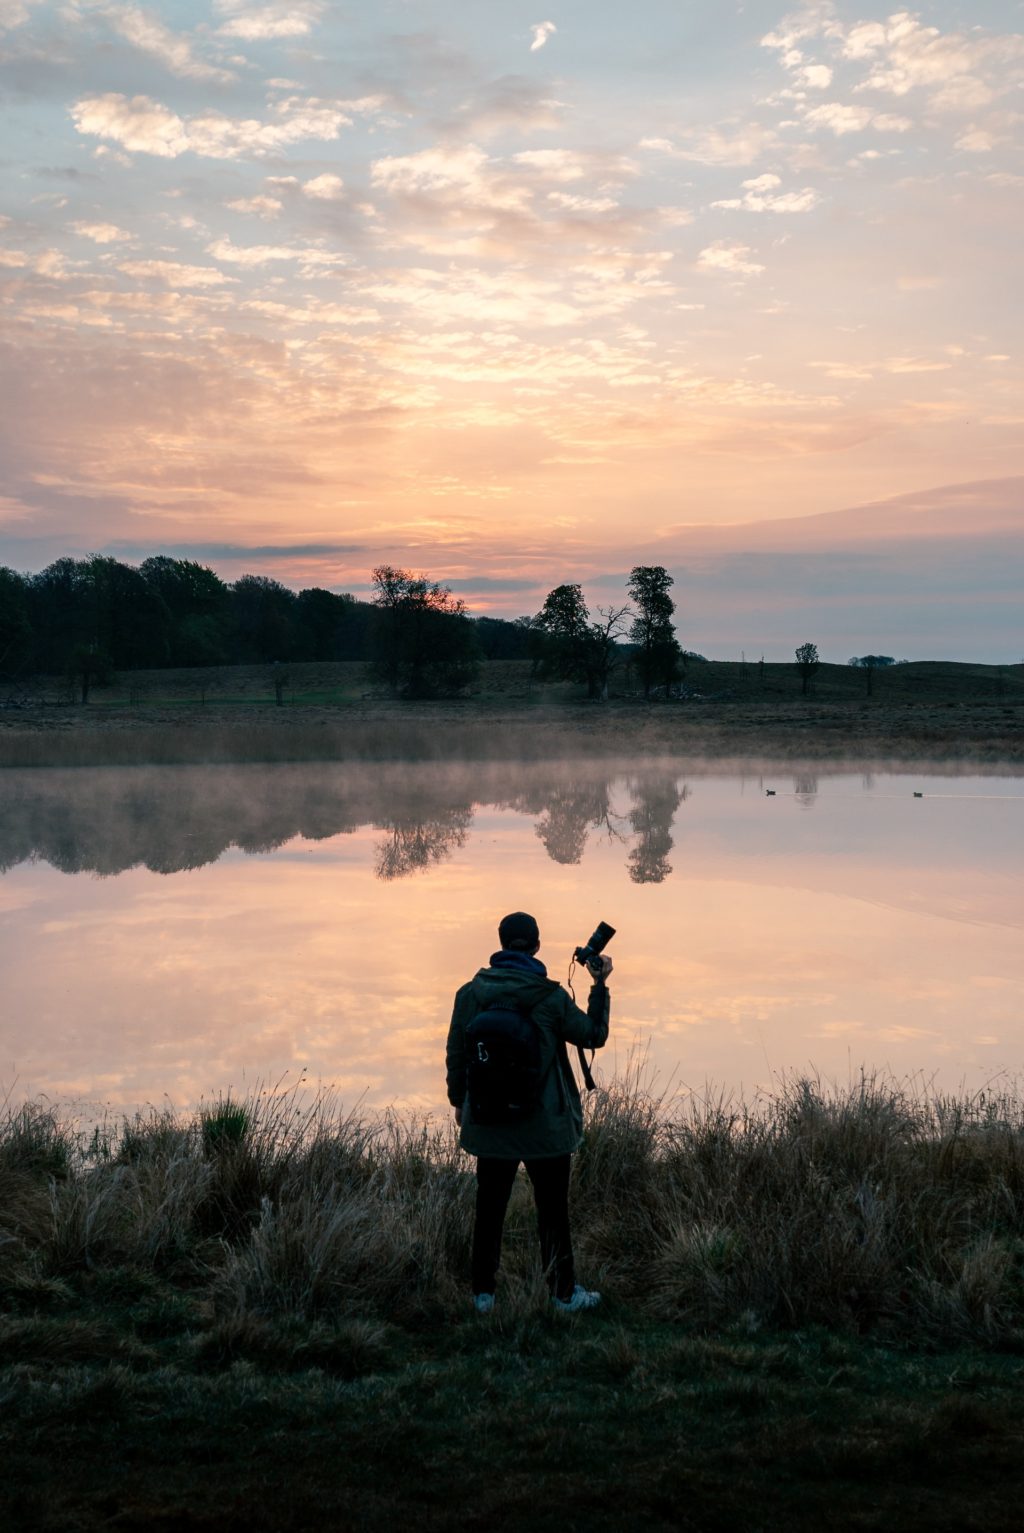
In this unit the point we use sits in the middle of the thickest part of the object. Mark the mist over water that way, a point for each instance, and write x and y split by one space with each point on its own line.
177 931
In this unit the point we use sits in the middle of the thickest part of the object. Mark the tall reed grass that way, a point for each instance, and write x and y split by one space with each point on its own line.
876 1208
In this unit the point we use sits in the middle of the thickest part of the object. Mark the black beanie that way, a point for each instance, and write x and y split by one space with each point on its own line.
519 931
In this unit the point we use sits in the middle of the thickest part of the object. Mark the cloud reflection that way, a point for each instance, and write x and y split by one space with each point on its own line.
752 936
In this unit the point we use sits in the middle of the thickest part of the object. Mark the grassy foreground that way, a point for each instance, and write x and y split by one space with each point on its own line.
814 1311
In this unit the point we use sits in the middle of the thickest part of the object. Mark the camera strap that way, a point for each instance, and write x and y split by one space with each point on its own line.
588 1079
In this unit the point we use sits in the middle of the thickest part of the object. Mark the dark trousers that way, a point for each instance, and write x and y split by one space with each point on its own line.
550 1178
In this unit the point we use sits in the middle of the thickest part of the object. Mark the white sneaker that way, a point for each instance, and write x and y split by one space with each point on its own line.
483 1303
582 1298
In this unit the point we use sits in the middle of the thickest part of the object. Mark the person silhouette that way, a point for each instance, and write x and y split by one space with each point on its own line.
546 1138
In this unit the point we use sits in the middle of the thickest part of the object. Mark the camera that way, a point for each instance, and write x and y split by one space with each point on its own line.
596 944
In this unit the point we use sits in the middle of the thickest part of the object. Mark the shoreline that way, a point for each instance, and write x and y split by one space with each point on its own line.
977 734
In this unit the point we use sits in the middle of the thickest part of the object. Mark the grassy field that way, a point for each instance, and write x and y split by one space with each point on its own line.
258 1318
922 711
509 681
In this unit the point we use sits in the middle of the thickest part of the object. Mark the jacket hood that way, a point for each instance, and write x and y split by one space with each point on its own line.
513 983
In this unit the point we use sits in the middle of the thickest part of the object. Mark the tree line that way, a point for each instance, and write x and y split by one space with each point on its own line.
89 618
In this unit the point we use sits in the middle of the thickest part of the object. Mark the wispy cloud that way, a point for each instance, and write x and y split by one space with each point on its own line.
100 233
732 259
175 273
540 34
148 33
265 23
761 195
724 144
143 126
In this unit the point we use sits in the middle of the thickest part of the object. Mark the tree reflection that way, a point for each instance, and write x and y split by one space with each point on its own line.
655 801
805 787
171 820
411 846
572 810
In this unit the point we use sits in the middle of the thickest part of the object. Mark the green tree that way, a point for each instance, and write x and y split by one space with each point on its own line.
567 645
807 663
61 613
16 646
869 664
130 622
658 655
264 616
504 639
331 625
198 603
422 642
558 635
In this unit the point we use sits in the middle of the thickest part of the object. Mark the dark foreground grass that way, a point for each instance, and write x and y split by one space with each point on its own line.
258 1319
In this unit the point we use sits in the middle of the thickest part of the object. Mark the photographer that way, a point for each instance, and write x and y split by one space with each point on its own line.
516 1099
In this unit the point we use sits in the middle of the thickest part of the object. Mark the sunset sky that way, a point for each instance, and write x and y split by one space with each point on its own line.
520 297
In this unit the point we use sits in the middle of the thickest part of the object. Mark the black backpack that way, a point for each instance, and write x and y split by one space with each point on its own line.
503 1076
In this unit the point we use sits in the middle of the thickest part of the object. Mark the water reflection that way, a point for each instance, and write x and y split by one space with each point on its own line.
171 820
266 920
805 789
412 845
655 801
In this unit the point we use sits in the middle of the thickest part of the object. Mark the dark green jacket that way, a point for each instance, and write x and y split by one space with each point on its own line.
557 1126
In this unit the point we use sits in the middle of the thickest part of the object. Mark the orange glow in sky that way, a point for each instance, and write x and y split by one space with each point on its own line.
303 288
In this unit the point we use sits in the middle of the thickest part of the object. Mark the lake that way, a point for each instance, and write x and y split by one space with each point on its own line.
169 933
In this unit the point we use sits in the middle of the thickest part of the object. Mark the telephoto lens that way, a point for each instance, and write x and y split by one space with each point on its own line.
597 943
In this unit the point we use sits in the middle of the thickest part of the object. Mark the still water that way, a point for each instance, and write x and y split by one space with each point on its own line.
169 933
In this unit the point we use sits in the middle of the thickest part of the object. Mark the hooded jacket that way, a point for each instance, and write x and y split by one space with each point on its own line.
556 1128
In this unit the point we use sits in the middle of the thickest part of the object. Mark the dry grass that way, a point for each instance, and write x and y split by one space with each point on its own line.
874 1209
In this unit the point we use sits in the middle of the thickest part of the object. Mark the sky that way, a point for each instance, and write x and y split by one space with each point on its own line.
524 296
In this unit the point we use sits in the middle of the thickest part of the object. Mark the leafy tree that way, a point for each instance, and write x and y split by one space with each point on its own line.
658 654
503 639
559 635
264 613
16 650
130 621
869 664
198 603
100 604
422 642
807 663
568 646
322 618
60 610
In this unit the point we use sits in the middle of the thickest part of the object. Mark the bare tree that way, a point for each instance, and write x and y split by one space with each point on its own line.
605 634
